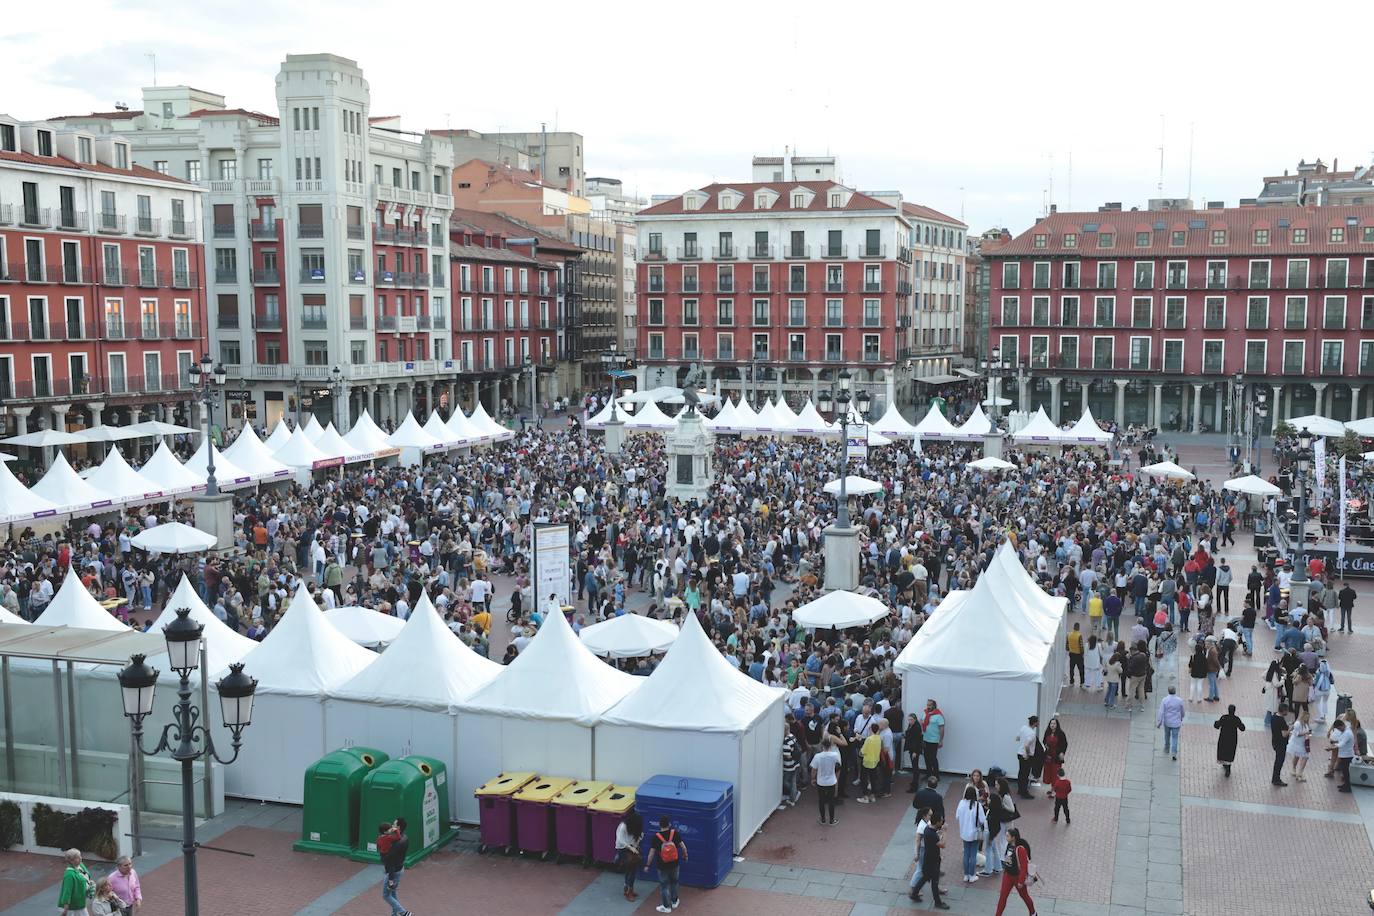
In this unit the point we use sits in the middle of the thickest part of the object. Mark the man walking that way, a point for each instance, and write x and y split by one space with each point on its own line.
1278 738
392 845
1026 740
1223 589
1346 599
670 851
791 761
1073 642
825 776
1170 718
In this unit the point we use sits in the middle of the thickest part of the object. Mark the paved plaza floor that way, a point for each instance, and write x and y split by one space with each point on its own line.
1149 835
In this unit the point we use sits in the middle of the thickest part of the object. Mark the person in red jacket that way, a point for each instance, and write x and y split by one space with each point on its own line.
1015 868
1060 789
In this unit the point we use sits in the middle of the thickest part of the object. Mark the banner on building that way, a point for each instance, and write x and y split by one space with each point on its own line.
551 568
1319 459
1340 532
856 443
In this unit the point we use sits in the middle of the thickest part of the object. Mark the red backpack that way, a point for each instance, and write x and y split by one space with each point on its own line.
668 847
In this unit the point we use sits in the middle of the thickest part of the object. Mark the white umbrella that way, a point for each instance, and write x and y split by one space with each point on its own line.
997 401
1255 486
6 456
158 428
990 463
45 437
1363 427
629 636
1318 426
174 537
841 610
1167 469
364 626
106 434
854 486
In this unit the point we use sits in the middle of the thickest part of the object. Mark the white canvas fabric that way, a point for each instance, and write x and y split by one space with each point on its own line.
335 446
437 428
1040 428
73 606
463 432
366 435
840 609
1319 425
651 418
483 421
629 636
892 423
298 452
252 455
811 423
173 537
746 420
1087 430
62 487
223 646
1167 469
410 434
121 482
167 473
227 472
277 438
312 428
1255 486
934 425
976 426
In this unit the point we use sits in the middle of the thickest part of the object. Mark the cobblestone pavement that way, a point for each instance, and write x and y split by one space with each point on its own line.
1150 835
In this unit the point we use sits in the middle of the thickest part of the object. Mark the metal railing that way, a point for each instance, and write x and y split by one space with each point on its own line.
387 322
35 217
356 232
309 230
724 252
834 251
224 231
357 322
226 275
689 252
260 230
312 275
314 322
180 229
760 252
872 251
110 223
147 226
797 252
267 322
833 356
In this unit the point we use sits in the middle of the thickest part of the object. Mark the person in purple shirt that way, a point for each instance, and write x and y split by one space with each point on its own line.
1111 609
1170 718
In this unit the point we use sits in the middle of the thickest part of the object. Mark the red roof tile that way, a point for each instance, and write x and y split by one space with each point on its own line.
62 162
234 112
783 204
500 224
923 212
107 115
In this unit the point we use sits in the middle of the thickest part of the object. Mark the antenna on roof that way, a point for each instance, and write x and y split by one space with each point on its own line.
1190 159
1068 204
961 204
1161 155
1051 192
121 106
153 57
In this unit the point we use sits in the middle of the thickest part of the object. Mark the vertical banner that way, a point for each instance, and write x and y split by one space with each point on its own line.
856 443
1319 459
551 569
1340 532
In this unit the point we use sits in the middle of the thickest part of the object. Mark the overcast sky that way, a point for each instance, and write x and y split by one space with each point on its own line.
969 108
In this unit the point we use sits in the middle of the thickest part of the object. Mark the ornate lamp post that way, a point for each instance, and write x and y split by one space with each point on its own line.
841 539
1299 587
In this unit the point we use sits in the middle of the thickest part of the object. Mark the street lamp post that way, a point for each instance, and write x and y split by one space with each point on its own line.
841 539
612 362
208 384
187 737
336 388
993 365
1299 587
532 368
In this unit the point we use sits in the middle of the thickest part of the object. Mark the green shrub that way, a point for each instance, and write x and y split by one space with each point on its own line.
90 830
11 827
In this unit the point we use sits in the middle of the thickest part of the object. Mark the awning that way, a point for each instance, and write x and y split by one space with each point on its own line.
937 379
967 373
77 644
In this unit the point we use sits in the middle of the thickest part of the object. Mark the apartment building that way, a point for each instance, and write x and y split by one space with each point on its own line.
938 245
102 309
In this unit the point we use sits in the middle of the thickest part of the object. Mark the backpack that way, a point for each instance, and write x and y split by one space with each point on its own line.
667 852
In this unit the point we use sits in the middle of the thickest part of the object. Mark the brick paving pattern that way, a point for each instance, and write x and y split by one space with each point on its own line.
22 875
854 845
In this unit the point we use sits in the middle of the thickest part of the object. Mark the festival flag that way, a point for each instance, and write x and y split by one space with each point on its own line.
1340 533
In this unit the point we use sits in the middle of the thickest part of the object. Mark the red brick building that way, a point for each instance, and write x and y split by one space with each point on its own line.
102 309
1178 317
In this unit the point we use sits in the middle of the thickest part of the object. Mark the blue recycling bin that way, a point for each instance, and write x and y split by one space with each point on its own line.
703 811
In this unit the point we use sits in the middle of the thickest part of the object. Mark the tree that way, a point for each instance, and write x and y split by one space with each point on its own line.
1349 446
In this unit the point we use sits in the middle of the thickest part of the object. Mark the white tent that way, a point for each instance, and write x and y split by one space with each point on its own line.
123 483
227 473
985 658
312 428
1318 425
745 419
724 420
335 446
410 434
299 451
174 537
1364 427
934 425
297 665
366 627
976 426
811 423
254 457
991 464
165 471
280 433
854 486
73 606
1255 486
463 432
483 421
102 433
697 716
786 418
768 420
840 610
223 646
437 428
892 423
651 418
628 636
537 713
64 488
1040 429
366 435
1087 430
7 617
1167 469
603 416
400 703
17 502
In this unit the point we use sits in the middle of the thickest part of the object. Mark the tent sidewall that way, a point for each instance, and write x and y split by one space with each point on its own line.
291 728
488 743
982 716
397 731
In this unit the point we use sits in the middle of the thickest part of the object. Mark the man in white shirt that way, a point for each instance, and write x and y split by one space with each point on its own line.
1026 739
825 775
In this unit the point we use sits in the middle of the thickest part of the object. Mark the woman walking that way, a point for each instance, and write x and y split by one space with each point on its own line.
1015 866
1322 682
1001 812
969 816
1116 678
1197 672
1213 669
1092 664
1228 729
628 834
1056 747
1299 746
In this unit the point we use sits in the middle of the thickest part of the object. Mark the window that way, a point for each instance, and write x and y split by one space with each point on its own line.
796 312
1213 357
1299 236
1144 275
1175 312
1068 311
760 279
761 309
1333 312
796 347
1142 312
1216 274
1068 352
691 348
1337 273
1218 236
834 348
1011 275
1010 346
796 279
1040 239
1102 352
1333 357
1106 239
1072 274
689 278
834 313
1257 313
1295 312
1367 234
1104 311
1106 275
316 352
1140 354
1011 307
1040 311
1040 275
1366 357
1261 236
7 139
1142 240
725 245
228 169
725 312
229 352
1337 234
1178 238
1259 274
1297 274
1071 241
691 313
1039 352
689 245
760 346
83 152
725 347
193 170
872 278
44 142
1293 357
1214 312
1173 356
1256 356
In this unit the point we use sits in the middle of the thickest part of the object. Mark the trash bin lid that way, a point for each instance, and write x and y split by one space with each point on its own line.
580 794
504 784
543 788
682 790
615 800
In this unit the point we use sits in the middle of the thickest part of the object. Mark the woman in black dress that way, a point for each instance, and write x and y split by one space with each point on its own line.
1228 729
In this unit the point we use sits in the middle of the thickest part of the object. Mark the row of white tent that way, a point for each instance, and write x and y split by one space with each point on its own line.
249 460
556 709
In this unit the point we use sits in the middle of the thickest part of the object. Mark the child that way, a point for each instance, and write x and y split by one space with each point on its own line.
1061 789
386 838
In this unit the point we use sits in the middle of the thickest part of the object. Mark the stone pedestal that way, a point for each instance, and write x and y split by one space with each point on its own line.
1299 592
841 558
215 515
690 474
615 436
992 445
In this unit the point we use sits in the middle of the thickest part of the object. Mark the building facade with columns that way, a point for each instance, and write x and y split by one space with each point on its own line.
1177 318
102 309
327 240
939 249
777 284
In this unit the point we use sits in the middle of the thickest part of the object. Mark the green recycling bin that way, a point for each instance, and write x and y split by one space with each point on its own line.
333 787
415 788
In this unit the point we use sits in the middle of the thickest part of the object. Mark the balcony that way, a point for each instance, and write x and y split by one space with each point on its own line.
872 251
437 281
797 252
314 322
796 355
310 231
653 254
6 214
224 231
724 253
440 322
267 322
833 320
794 286
226 275
688 253
71 220
837 288
110 223
357 322
180 229
257 230
35 217
875 356
261 185
312 275
356 232
760 252
759 285
725 285
761 320
148 279
873 321
266 276
226 320
833 356
423 323
147 226
405 278
834 251
115 329
691 287
357 276
387 323
871 286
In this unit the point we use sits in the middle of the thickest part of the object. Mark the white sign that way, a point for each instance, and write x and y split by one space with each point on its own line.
856 443
551 569
431 814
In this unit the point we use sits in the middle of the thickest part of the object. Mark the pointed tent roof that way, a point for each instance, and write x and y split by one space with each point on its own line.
1318 425
410 434
223 646
1040 429
437 428
280 433
628 636
767 419
977 632
977 425
366 435
695 689
934 425
746 420
787 419
9 617
1087 430
427 665
1008 576
16 501
299 451
305 655
115 477
650 417
556 677
482 421
73 606
171 475
893 423
602 417
724 420
64 488
462 430
313 429
226 472
335 446
253 456
810 422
